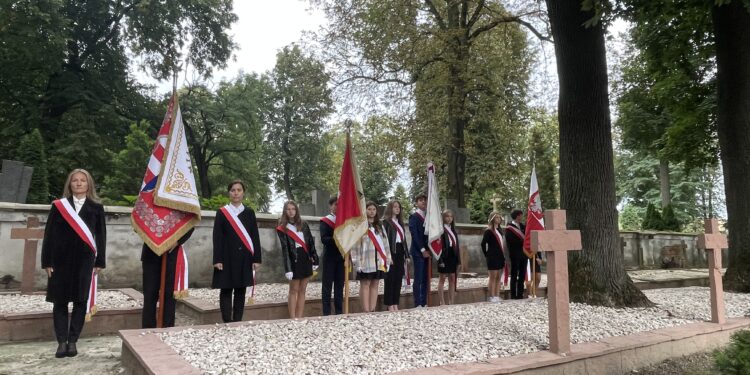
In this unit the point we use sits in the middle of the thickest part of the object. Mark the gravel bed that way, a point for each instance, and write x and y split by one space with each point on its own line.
388 342
19 303
277 292
737 304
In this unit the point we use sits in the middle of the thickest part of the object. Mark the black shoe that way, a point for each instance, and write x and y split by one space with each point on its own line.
62 350
72 351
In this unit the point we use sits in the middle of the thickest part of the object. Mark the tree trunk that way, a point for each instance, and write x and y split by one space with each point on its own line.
732 35
587 178
664 185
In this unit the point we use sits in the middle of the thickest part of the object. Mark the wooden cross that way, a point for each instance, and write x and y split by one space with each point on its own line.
713 241
494 201
31 235
556 241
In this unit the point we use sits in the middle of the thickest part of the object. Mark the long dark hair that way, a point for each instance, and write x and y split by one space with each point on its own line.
388 214
376 219
296 220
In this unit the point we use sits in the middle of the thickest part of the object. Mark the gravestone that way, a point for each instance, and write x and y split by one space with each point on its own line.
320 201
307 209
460 214
15 180
556 241
31 235
713 242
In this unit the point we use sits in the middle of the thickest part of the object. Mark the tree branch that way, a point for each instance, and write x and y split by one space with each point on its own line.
435 13
497 21
475 15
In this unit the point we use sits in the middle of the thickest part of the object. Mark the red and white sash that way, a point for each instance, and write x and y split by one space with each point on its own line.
329 219
528 270
499 239
451 236
506 275
82 230
420 214
181 273
239 229
377 241
400 237
515 231
291 231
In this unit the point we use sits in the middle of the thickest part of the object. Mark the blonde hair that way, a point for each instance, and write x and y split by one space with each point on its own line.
447 212
90 193
492 217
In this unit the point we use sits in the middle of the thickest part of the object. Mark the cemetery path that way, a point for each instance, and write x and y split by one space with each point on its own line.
96 355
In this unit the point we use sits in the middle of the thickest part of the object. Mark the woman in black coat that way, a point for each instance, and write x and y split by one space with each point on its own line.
493 249
236 257
450 258
298 255
394 230
71 259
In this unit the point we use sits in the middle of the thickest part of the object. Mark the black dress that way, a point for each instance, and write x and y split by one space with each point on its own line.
296 259
232 253
71 258
450 257
394 277
493 251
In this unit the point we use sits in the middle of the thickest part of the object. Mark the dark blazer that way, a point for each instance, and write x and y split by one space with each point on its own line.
515 243
418 238
289 247
71 259
331 251
390 231
450 251
490 247
232 253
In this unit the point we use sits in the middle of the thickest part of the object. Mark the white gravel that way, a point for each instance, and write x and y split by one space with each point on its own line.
387 342
737 304
18 303
277 292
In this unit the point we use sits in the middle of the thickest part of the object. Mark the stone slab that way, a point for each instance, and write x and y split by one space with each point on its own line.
39 326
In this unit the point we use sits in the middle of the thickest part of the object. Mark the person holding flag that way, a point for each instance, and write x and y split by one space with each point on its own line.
298 254
237 253
493 247
164 215
73 253
419 253
514 237
394 230
450 258
433 226
371 259
534 221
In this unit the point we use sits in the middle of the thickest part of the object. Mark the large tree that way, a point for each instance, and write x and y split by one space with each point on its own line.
404 44
301 103
731 22
587 179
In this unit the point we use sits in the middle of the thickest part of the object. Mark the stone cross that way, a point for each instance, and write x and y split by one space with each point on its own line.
494 202
31 235
556 241
713 241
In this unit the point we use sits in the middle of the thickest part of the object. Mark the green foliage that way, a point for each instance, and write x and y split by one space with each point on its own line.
653 220
128 165
631 217
218 201
400 194
735 359
544 147
669 221
301 103
31 152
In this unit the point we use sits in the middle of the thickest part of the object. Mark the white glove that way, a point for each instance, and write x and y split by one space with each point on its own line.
288 275
315 268
359 269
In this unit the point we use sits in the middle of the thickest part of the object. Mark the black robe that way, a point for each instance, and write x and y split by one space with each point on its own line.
71 259
232 253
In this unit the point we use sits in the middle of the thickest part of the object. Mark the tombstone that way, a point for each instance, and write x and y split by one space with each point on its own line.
556 241
460 214
320 201
307 209
15 181
713 242
31 235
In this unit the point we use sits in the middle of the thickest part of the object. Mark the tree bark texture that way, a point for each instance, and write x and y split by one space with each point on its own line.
587 179
732 35
664 185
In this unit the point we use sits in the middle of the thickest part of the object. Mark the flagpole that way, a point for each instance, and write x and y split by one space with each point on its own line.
429 280
162 282
347 271
533 275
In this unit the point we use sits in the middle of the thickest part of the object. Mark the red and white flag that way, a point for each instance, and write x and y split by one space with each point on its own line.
351 222
433 222
168 205
534 214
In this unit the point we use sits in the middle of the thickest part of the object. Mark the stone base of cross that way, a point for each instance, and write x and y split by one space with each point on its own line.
31 235
712 242
556 241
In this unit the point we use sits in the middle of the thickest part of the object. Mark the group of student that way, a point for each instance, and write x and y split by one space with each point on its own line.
73 252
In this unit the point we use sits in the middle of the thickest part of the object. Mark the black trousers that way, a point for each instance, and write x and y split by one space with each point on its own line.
151 280
333 279
393 280
517 276
232 312
64 331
